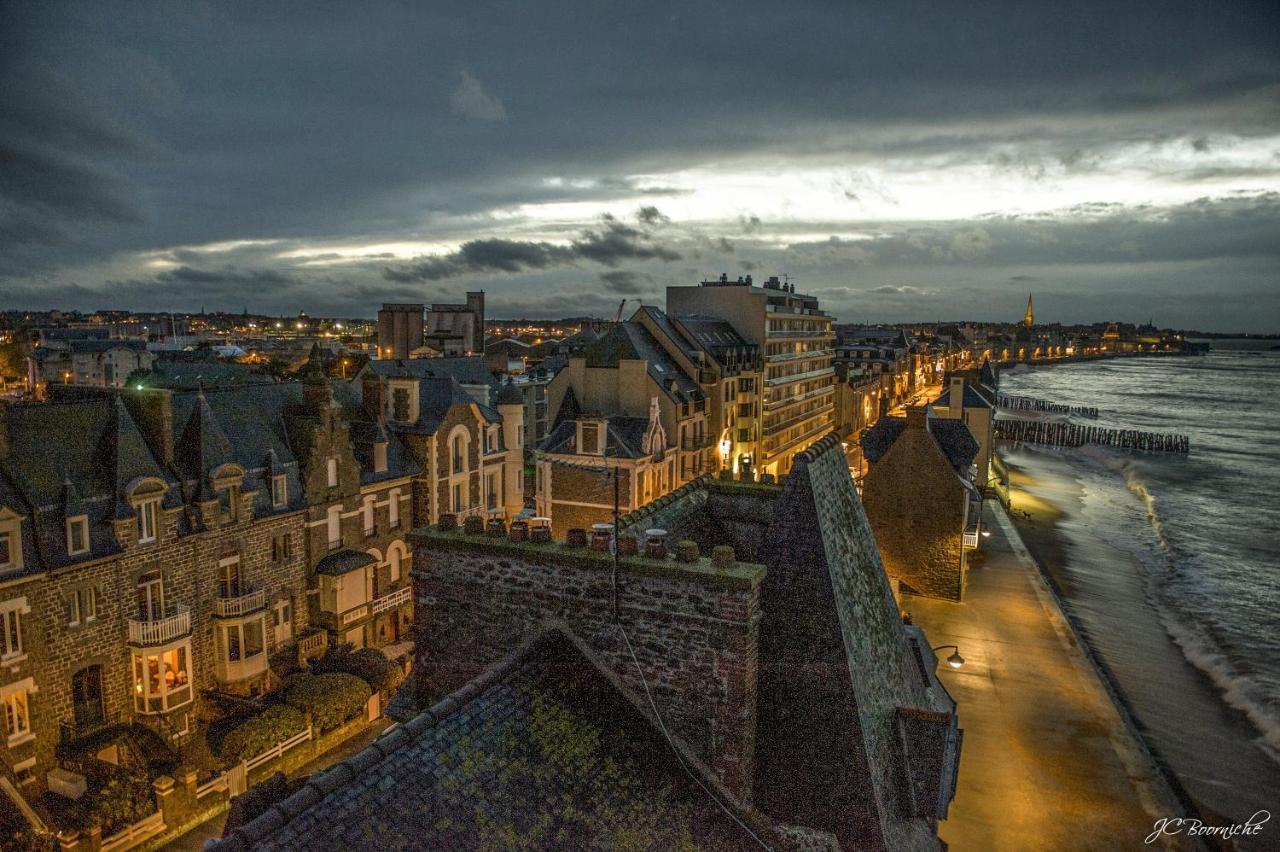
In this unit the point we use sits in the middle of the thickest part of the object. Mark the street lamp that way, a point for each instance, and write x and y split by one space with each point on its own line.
955 660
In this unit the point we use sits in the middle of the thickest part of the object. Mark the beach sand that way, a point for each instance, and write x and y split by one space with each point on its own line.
1170 704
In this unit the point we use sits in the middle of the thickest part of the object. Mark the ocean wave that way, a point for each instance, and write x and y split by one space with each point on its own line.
1192 637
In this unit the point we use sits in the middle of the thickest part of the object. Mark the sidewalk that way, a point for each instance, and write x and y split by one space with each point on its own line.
1047 763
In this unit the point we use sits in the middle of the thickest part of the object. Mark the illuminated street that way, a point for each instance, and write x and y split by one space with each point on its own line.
1047 762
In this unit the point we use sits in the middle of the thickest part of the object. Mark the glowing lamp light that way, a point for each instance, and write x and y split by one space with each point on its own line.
955 660
986 533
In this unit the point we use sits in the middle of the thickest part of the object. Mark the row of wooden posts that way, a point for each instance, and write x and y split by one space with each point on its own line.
1029 403
1063 434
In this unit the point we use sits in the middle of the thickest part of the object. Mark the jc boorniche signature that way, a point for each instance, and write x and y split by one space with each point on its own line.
1196 828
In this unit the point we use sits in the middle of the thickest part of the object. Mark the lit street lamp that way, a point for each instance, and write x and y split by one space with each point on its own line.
955 660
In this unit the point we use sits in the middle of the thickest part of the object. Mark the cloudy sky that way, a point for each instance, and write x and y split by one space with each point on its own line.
899 160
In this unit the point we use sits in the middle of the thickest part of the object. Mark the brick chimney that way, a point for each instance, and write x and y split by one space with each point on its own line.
152 410
956 400
371 394
916 416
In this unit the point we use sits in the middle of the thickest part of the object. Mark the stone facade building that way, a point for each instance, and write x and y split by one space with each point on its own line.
780 663
922 502
967 403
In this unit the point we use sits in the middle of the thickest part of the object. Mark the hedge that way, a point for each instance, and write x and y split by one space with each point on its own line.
368 664
331 698
256 735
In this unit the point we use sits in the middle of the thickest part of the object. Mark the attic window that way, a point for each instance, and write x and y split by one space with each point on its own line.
10 545
279 491
77 535
590 441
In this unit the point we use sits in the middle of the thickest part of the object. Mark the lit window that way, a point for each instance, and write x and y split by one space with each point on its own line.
279 491
162 681
17 712
77 535
229 577
148 514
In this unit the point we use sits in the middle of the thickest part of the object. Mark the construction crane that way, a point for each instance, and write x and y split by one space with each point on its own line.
618 316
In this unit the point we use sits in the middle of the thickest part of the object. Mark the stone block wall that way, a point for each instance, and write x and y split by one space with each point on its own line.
915 503
694 629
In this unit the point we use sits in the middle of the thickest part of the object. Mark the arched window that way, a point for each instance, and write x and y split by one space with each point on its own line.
458 454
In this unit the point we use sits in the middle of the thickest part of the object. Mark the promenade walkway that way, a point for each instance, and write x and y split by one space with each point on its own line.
1047 762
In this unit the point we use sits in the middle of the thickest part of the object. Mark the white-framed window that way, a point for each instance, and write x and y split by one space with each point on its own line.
459 498
279 491
84 605
229 577
394 558
335 526
281 547
148 520
333 472
16 701
10 541
589 443
393 508
162 678
243 641
77 535
458 454
366 514
11 612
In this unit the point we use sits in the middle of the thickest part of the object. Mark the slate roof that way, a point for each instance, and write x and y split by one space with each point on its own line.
470 370
100 455
191 375
544 747
971 398
955 439
625 437
343 562
630 341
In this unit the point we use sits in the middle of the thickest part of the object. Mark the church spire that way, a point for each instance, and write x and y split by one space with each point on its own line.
1029 318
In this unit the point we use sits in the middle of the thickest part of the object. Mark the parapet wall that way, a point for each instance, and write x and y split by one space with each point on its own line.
694 629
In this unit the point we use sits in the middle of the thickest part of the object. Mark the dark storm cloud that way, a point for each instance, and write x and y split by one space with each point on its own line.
626 281
609 245
143 128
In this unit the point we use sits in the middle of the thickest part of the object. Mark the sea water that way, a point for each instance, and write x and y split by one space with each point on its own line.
1173 562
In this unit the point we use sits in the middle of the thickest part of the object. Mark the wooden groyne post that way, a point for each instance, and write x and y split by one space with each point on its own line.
1064 434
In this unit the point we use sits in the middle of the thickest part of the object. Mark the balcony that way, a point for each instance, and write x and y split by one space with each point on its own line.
695 442
799 377
234 607
230 671
390 601
158 631
969 540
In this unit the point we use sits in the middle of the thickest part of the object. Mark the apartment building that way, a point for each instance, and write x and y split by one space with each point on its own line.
605 399
795 391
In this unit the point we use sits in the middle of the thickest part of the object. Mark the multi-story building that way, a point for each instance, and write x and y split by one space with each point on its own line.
98 363
605 399
458 329
400 329
155 556
795 393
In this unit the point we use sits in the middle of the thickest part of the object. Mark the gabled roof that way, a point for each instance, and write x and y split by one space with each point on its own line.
970 399
631 341
625 437
952 436
545 747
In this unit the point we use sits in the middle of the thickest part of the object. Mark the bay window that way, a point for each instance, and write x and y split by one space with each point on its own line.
162 678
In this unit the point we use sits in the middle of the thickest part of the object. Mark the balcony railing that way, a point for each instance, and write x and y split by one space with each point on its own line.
392 600
798 377
240 605
969 540
695 442
157 631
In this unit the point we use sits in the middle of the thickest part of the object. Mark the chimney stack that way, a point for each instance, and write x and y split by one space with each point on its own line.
152 410
916 416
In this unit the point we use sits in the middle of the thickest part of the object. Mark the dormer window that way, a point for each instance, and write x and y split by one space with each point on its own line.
279 491
589 438
77 535
10 546
400 404
148 520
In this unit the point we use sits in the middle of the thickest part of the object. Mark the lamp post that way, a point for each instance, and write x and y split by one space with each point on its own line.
955 660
